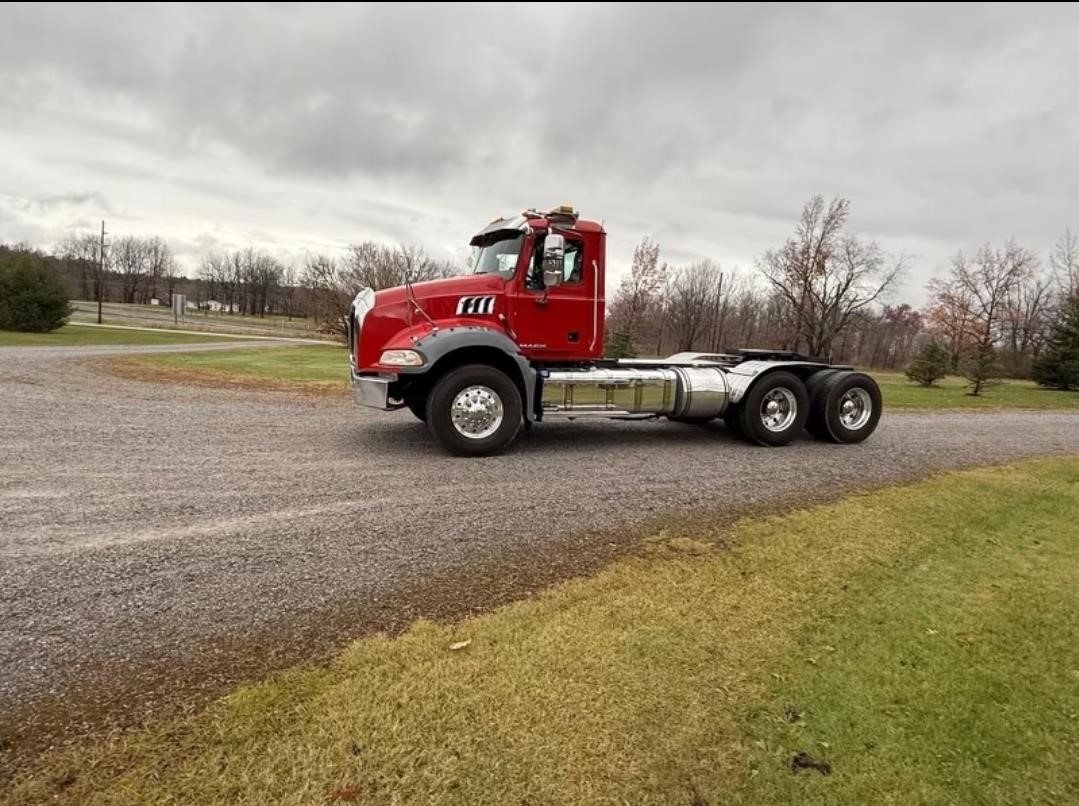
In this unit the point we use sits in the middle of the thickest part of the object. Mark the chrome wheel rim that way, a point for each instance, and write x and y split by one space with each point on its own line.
476 412
855 408
778 409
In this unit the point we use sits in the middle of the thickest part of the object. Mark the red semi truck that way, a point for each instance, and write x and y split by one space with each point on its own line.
520 341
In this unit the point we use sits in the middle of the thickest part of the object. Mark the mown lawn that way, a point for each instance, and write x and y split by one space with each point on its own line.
76 335
305 368
325 369
915 645
951 393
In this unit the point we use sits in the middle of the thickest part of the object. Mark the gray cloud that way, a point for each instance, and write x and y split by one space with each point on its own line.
302 125
49 202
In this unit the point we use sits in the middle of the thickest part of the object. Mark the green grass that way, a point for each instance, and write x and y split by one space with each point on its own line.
920 639
951 393
323 369
159 316
309 367
76 335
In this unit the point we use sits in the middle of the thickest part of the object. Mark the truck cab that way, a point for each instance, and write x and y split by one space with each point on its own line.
520 340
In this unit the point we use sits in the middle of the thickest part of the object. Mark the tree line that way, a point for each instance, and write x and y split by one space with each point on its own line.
828 292
825 292
242 281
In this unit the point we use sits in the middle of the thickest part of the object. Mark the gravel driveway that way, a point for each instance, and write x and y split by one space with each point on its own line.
157 542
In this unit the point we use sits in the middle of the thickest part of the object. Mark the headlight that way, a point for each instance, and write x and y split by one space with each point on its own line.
401 358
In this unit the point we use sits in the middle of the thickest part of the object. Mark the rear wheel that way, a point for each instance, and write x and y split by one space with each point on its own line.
474 410
851 406
774 410
814 386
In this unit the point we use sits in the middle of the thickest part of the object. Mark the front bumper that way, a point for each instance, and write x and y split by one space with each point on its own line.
371 391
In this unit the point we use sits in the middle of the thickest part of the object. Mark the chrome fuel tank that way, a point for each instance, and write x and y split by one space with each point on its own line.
615 392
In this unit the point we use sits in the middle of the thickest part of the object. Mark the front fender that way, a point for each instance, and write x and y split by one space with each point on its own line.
435 345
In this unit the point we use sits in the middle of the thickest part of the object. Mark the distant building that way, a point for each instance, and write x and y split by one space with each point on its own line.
218 307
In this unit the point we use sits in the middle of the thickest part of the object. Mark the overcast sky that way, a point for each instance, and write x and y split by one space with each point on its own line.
304 128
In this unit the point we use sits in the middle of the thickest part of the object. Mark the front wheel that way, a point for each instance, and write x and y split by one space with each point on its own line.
774 410
418 407
474 410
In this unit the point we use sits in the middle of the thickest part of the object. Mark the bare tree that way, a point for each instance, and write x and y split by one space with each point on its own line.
827 278
213 270
1065 263
159 264
334 282
287 290
324 277
129 259
693 295
638 298
83 252
1027 321
976 294
886 339
950 316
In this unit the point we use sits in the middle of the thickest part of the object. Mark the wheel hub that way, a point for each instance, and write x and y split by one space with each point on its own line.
476 412
779 409
855 409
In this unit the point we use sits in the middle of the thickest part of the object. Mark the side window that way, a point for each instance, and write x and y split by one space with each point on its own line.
572 264
574 258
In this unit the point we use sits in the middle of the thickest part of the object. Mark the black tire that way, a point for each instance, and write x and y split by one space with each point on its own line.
814 385
440 414
836 392
418 406
731 418
751 415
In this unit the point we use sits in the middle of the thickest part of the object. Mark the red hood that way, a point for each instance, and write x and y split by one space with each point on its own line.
431 294
476 299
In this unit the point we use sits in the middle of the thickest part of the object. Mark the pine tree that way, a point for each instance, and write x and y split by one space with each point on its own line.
32 294
1058 366
931 364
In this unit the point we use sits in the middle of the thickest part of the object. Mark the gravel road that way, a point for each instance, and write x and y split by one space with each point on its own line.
159 540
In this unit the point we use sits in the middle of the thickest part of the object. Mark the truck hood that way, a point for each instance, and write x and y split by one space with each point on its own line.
440 299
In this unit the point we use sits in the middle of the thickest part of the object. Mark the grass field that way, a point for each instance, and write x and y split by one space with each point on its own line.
76 335
159 316
951 393
915 645
323 370
309 368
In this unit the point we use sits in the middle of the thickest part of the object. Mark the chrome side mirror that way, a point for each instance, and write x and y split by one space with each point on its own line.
554 255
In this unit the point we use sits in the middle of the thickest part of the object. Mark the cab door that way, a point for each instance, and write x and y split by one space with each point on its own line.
556 323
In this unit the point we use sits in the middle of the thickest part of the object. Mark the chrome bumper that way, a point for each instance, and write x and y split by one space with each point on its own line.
371 392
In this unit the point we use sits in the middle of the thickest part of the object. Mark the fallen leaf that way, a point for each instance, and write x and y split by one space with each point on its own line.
460 644
349 793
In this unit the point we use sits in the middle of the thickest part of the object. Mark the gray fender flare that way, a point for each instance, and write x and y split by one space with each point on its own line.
437 344
742 376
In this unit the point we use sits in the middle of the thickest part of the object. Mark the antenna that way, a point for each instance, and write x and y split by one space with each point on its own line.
415 303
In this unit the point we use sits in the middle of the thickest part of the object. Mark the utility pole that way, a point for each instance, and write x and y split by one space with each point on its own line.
100 271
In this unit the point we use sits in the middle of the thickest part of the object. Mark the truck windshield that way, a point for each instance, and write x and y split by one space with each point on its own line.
499 256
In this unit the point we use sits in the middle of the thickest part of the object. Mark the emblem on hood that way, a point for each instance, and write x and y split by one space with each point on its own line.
475 305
